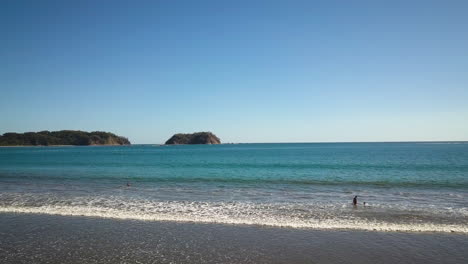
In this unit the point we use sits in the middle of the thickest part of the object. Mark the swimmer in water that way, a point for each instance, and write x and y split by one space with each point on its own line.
128 184
355 200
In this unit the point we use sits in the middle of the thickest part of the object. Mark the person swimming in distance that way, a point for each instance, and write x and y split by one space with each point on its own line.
355 200
128 184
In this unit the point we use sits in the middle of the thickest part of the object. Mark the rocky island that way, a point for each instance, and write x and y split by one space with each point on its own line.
63 137
195 138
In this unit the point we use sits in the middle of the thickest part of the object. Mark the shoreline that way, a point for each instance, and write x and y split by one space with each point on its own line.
353 227
28 238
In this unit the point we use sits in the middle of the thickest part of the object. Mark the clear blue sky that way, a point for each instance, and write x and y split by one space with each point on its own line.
249 71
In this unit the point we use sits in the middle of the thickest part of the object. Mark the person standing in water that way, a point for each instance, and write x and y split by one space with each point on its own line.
355 200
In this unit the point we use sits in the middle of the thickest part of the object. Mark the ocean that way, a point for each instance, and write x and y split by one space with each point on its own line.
409 187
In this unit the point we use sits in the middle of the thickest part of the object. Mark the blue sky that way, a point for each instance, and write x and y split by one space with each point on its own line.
249 71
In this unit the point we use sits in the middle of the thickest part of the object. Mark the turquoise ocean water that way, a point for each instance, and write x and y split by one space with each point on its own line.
406 186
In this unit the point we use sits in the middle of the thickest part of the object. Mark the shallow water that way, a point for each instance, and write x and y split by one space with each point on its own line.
406 186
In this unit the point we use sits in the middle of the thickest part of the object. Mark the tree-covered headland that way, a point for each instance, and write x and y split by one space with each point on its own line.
63 137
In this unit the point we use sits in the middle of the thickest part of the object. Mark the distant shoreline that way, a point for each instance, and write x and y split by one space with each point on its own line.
241 143
28 146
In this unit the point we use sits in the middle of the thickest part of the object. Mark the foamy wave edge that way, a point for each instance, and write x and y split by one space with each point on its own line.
291 223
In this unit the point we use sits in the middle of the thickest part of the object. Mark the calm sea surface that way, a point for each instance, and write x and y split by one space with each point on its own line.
406 186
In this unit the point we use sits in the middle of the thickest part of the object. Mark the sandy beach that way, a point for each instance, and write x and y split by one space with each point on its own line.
35 238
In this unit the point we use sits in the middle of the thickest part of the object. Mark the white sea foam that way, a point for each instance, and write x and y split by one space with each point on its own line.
410 217
232 214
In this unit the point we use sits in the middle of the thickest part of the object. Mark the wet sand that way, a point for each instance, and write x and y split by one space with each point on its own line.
35 238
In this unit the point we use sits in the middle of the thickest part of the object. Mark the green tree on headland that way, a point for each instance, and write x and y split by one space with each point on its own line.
63 137
195 138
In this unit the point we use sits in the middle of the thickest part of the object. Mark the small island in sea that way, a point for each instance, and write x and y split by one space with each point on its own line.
195 138
63 137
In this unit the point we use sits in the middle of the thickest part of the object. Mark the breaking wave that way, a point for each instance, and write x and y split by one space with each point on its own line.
274 215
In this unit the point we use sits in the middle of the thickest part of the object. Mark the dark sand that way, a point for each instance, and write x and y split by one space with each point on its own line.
29 238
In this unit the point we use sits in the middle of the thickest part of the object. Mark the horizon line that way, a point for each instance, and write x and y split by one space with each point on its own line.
322 142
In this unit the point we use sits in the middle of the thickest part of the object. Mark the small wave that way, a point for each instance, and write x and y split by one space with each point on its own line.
260 165
243 180
443 143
